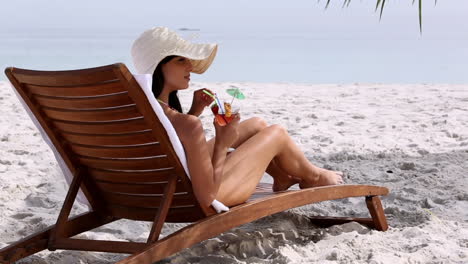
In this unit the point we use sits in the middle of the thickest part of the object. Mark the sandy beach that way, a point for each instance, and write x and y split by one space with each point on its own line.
411 138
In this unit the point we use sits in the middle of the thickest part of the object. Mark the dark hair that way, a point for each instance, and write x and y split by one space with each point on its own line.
158 85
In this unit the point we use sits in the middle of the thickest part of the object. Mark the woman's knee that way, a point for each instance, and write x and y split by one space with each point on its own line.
278 130
275 137
258 123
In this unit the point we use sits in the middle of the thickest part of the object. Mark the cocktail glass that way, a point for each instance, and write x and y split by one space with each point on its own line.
221 117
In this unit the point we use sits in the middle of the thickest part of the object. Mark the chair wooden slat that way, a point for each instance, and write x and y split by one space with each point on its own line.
175 215
131 176
121 126
137 188
101 245
136 151
113 100
145 201
114 114
126 164
100 89
111 139
66 78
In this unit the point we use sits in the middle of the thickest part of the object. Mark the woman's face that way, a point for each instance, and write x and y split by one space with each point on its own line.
177 73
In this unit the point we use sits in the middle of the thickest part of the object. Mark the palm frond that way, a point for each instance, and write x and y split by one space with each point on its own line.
381 9
377 5
381 4
420 16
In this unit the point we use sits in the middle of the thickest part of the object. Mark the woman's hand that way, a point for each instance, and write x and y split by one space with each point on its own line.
200 101
227 135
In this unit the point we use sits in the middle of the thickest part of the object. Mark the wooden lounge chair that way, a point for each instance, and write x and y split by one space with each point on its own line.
102 125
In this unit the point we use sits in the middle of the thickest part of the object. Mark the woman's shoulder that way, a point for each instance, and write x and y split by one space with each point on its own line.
181 121
187 127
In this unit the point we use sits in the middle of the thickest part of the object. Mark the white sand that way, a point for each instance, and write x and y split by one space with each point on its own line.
412 139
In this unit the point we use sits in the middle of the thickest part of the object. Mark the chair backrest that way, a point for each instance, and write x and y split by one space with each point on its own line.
103 126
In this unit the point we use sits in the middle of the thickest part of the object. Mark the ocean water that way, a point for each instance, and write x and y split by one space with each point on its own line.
262 42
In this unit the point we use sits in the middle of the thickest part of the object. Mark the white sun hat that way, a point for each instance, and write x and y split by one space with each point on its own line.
153 45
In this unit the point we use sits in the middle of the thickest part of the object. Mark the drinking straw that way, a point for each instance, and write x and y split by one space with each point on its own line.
208 93
220 106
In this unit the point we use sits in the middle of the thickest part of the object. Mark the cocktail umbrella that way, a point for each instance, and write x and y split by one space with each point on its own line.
236 93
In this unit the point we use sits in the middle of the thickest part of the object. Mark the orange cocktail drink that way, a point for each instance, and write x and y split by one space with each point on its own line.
223 118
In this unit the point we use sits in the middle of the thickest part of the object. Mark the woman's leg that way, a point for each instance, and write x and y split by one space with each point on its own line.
247 129
245 167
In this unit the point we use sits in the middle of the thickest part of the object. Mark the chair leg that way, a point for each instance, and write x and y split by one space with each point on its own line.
376 211
60 226
160 217
39 241
25 247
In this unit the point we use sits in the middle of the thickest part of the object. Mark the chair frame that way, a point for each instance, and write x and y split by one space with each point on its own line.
205 222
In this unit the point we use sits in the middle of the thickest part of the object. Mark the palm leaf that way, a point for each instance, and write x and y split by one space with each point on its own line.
377 5
381 4
420 15
381 8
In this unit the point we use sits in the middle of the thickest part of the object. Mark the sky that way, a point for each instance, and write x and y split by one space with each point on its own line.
444 26
208 13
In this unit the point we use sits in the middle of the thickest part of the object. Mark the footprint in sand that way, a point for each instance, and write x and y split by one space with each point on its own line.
19 152
358 116
39 201
5 162
35 220
109 231
341 123
347 228
450 134
20 216
299 102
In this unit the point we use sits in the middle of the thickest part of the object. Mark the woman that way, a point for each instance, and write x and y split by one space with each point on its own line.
231 179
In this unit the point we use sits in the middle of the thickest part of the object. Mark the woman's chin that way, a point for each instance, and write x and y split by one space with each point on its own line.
182 86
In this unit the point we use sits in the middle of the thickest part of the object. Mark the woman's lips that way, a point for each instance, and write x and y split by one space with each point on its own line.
187 78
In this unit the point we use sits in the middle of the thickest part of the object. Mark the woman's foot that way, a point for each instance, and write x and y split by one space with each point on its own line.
325 177
283 183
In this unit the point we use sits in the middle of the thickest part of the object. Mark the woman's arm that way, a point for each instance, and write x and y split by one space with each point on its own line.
206 172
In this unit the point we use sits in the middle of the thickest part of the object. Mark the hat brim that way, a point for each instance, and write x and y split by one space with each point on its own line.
200 66
201 59
200 55
155 44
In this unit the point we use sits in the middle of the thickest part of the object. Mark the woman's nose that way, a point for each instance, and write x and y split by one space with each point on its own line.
189 65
